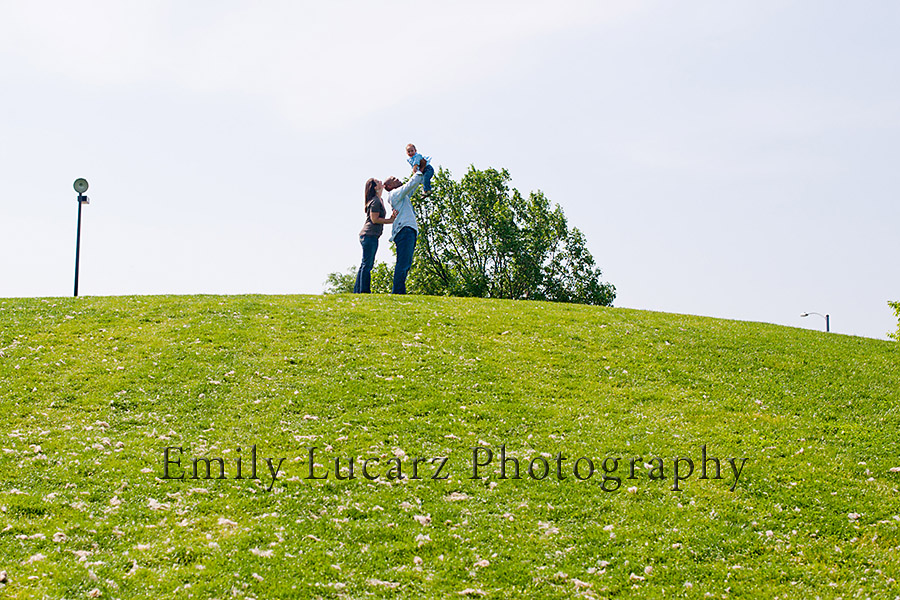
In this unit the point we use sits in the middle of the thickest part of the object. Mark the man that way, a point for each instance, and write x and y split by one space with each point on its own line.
405 228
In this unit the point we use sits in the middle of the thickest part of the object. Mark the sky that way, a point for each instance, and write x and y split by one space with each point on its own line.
735 160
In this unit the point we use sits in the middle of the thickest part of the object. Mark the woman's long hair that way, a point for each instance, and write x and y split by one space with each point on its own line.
370 192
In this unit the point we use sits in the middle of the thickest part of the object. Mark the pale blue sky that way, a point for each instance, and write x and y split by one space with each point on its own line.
735 160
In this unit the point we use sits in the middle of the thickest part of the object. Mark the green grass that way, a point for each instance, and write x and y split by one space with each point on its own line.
92 390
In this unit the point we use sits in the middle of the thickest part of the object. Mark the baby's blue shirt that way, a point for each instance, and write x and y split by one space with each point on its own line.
415 160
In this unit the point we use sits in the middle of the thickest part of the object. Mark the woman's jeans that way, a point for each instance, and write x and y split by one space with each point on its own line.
363 283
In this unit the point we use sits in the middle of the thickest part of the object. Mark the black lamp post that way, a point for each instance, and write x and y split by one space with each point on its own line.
826 317
81 186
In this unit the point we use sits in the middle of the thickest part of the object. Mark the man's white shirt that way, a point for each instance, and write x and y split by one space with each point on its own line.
399 200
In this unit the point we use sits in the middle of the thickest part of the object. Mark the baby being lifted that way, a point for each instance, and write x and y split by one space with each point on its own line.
420 164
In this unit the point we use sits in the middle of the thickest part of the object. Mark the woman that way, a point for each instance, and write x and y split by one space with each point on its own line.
370 233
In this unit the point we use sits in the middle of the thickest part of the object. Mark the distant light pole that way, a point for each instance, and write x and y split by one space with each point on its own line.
826 317
81 186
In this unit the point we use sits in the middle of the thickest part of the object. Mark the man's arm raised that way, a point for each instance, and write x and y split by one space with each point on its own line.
409 187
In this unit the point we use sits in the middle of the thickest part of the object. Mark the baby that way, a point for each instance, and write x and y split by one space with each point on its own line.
421 164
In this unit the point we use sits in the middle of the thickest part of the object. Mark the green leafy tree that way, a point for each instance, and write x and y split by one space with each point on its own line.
896 307
342 283
479 237
382 278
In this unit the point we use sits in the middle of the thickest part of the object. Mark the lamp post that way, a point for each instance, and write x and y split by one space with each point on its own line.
826 317
81 186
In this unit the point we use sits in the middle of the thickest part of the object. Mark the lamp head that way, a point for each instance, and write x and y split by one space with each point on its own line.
80 185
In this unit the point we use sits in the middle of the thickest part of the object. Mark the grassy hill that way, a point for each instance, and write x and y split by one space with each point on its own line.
93 391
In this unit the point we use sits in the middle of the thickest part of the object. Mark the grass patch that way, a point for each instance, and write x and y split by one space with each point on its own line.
94 389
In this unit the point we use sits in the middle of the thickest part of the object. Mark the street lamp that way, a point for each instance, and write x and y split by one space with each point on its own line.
826 317
81 186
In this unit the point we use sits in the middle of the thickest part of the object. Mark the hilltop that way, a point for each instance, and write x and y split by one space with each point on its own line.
95 390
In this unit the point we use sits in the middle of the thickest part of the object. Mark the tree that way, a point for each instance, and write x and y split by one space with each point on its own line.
479 237
342 283
896 307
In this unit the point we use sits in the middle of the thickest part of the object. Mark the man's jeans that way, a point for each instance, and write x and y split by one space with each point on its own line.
363 283
405 240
